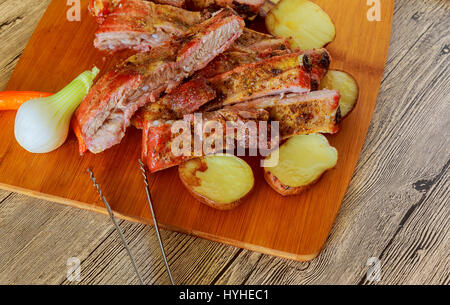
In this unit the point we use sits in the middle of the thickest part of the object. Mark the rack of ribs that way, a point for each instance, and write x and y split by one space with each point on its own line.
246 8
297 114
273 76
105 113
264 79
187 98
290 73
183 100
142 25
102 8
250 47
319 61
158 136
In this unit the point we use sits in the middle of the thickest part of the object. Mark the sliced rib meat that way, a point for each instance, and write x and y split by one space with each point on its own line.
190 96
276 75
177 3
246 82
297 72
106 111
256 42
320 60
297 114
250 47
158 138
102 8
141 25
245 8
185 99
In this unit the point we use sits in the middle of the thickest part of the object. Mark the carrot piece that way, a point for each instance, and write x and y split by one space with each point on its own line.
12 100
77 131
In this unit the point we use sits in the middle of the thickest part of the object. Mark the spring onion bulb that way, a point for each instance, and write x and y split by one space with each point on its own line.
42 124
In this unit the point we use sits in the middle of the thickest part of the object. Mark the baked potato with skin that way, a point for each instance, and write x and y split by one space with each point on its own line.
303 22
347 86
302 162
219 181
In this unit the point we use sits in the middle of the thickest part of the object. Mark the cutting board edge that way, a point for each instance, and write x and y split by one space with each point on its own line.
104 211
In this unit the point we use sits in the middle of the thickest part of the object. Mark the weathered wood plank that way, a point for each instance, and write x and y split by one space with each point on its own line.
18 19
412 20
192 260
38 238
4 195
419 252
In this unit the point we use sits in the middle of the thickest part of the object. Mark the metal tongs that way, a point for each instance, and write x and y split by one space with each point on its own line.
149 199
119 230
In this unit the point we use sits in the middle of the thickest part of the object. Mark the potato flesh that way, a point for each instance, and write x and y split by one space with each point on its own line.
303 22
347 86
303 159
225 180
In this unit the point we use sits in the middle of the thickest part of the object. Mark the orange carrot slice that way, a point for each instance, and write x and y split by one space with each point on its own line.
12 100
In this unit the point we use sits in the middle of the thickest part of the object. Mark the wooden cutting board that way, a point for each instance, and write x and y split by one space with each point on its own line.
293 227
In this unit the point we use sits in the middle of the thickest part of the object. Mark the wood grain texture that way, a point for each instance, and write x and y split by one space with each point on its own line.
31 267
396 207
294 227
17 20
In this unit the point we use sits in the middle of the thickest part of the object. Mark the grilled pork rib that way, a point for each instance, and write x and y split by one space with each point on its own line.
250 47
185 99
273 76
245 8
190 96
106 111
297 114
102 8
291 73
281 82
277 82
317 111
158 138
320 60
256 42
142 25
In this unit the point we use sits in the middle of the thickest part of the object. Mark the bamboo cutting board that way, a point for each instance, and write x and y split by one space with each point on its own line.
293 227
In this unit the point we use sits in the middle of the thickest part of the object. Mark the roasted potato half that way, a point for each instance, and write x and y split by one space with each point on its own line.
220 181
303 22
302 161
347 86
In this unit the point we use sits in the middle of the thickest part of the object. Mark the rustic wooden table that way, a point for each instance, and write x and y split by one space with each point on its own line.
397 208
